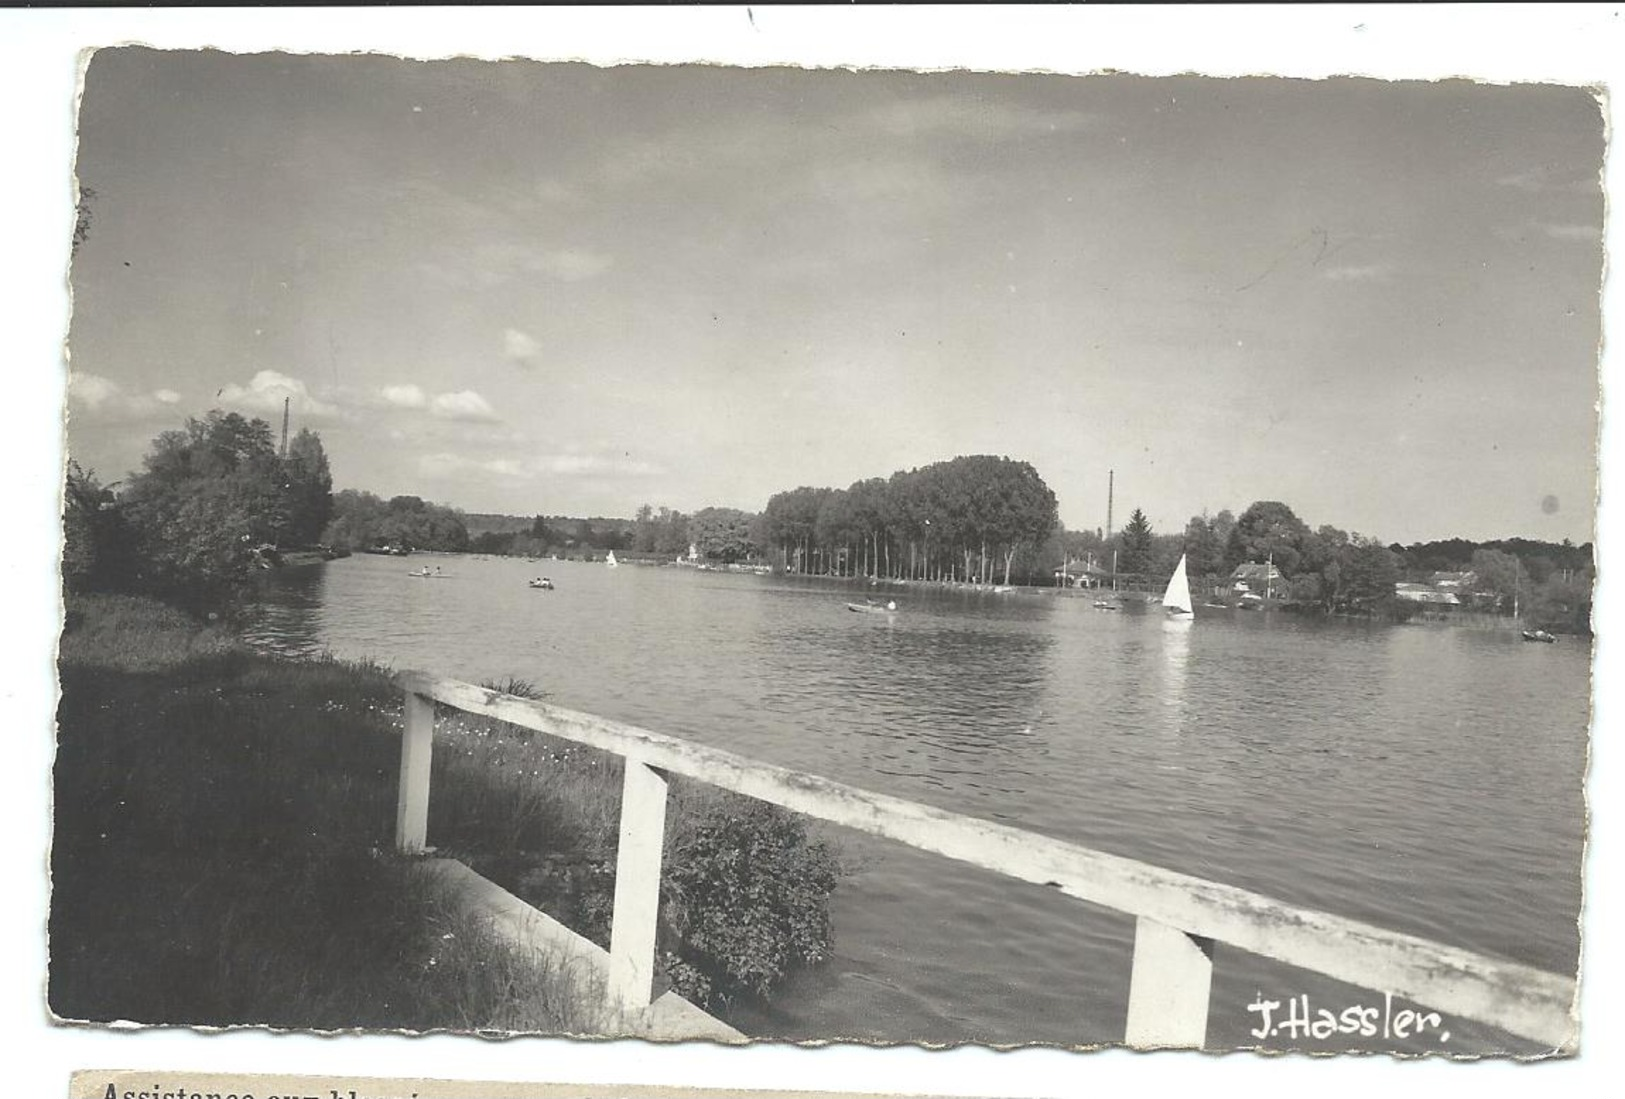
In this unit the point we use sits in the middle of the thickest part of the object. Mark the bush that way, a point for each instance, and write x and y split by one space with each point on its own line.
745 899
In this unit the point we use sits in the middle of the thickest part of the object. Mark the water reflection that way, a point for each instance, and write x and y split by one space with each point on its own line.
1176 653
286 614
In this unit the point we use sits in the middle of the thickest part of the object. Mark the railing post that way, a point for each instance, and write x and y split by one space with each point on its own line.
637 887
1169 987
412 804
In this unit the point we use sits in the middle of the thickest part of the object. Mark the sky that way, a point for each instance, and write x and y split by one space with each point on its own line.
526 287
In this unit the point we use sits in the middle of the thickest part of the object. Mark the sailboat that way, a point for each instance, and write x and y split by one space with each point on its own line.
610 560
1176 600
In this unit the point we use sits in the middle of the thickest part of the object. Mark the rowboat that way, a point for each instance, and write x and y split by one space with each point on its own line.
872 608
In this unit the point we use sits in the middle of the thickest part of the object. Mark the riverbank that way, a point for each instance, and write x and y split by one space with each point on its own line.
223 849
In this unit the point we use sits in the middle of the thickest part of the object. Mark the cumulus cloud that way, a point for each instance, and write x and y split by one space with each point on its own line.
520 347
266 391
97 398
462 405
406 396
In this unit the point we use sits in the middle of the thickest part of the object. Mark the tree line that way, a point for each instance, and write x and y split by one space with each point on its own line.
970 518
1340 572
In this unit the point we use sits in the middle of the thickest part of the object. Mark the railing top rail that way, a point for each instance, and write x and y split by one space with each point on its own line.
1517 998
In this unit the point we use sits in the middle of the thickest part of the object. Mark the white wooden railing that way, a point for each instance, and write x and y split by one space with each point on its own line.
1179 917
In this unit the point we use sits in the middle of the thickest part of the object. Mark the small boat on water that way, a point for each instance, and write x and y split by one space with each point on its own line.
889 607
1106 605
1539 635
1176 598
1004 589
542 583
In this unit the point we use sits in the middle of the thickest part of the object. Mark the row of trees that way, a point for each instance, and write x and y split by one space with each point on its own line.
966 519
211 500
363 521
1348 573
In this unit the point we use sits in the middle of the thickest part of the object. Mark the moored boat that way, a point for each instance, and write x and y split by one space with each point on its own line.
1539 635
889 607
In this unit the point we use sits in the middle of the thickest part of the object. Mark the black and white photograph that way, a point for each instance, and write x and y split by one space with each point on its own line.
698 553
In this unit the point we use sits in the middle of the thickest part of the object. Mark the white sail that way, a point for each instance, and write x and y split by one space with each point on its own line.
610 560
1177 599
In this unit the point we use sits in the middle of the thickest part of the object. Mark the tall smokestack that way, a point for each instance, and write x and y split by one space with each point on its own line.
285 401
1111 485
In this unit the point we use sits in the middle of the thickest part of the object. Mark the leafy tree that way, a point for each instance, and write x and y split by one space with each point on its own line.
1499 577
723 534
309 486
1369 572
1268 530
210 496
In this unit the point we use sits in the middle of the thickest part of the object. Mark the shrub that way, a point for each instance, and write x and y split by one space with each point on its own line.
745 899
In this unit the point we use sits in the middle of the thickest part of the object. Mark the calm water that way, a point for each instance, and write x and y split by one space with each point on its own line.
1425 779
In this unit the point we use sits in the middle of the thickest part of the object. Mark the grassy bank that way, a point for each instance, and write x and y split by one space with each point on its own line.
222 850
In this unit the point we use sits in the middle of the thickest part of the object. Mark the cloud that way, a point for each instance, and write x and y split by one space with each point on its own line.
1567 231
568 264
406 396
101 399
453 465
1572 232
1358 272
974 117
266 391
465 405
445 464
577 465
1544 178
520 347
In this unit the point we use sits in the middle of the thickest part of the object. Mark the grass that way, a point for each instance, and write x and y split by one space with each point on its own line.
223 849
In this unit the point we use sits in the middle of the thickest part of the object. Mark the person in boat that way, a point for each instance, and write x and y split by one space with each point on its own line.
425 571
891 604
437 570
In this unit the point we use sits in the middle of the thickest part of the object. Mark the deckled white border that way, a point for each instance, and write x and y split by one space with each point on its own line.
1578 44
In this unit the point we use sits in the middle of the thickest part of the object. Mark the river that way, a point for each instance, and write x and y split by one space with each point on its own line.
1427 779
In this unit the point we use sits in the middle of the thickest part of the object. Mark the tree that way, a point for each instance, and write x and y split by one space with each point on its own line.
210 496
1137 544
309 485
723 534
1369 572
1267 531
94 539
1499 578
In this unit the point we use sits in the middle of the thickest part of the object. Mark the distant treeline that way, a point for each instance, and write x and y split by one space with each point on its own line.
215 500
1335 571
